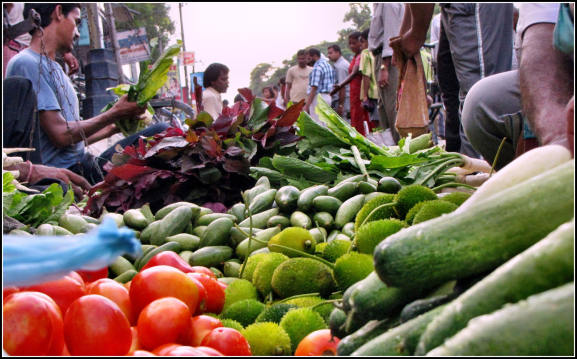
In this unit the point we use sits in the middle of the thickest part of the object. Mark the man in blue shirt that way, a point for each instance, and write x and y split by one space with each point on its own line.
321 82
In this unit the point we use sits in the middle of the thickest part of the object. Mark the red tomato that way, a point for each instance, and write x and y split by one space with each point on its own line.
65 352
199 269
32 325
91 276
214 293
201 326
170 259
318 343
164 321
210 351
201 307
140 353
102 280
116 293
159 282
95 325
164 349
185 351
228 341
7 291
64 291
136 344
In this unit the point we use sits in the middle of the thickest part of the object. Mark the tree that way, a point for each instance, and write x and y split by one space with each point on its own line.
360 15
154 17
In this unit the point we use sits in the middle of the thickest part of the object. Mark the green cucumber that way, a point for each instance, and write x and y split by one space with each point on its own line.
120 265
348 211
541 325
216 272
352 179
401 340
324 220
236 236
260 220
344 191
319 234
327 204
238 211
126 276
45 230
135 219
204 211
71 222
209 218
369 331
170 246
336 323
305 201
188 242
459 245
300 219
19 232
286 198
117 217
185 255
422 306
333 235
87 228
263 181
174 223
242 250
217 233
547 264
89 219
349 229
262 202
147 232
255 191
389 185
139 259
199 231
366 188
189 229
232 269
59 231
227 280
164 211
281 221
145 210
264 250
211 256
234 260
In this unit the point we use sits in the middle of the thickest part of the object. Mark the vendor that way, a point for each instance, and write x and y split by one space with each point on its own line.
62 135
216 82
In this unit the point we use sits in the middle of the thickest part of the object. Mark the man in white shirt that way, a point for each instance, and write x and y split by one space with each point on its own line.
215 82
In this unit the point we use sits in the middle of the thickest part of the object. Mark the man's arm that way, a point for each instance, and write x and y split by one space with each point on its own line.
546 76
420 15
287 92
106 132
56 127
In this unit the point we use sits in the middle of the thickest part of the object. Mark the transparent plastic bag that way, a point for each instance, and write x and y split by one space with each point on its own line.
32 260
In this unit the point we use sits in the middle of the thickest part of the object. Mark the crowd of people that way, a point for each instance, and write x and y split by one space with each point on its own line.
489 91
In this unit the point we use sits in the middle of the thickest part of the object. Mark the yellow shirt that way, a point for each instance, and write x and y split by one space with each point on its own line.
299 80
368 69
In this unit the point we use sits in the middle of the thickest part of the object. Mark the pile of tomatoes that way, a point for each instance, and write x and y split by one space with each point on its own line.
160 312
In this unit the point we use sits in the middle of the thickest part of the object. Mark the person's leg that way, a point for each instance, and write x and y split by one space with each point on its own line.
132 140
489 115
449 86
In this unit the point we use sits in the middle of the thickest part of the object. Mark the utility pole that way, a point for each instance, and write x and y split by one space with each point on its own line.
184 50
110 19
94 26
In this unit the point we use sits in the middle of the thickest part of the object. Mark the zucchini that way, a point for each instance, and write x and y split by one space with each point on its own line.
209 218
217 233
337 321
238 211
422 306
255 191
211 256
300 219
547 264
459 245
135 219
343 191
163 212
369 331
278 220
174 223
542 325
262 202
401 340
327 204
260 220
305 201
348 211
188 242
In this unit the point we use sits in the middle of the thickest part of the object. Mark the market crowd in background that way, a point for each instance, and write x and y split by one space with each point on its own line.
502 73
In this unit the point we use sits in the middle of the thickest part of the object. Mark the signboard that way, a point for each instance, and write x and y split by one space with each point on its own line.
84 35
199 76
187 58
172 88
133 47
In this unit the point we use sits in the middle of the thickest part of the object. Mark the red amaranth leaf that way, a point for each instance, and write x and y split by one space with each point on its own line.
274 111
246 93
128 172
291 115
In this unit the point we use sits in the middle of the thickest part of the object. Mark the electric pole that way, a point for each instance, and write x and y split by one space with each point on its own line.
184 50
112 28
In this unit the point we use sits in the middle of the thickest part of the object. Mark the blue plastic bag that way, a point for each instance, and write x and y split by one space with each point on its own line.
33 260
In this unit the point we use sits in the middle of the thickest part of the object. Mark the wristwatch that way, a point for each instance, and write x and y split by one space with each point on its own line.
383 67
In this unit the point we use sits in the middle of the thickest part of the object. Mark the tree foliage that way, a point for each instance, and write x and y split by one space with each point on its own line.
360 16
154 17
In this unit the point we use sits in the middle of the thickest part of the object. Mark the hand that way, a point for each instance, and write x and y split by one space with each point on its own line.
384 78
126 109
410 43
39 172
71 62
336 89
340 110
306 109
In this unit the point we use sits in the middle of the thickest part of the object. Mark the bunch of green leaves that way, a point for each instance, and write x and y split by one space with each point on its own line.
37 209
149 82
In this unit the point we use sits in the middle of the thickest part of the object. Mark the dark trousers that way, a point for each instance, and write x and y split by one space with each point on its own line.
90 172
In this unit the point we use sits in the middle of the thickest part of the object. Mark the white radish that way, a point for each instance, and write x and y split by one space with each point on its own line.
526 166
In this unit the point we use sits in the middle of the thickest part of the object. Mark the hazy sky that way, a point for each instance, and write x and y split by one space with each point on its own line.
243 35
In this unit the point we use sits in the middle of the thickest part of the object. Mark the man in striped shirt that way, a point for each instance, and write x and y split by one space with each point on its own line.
321 81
